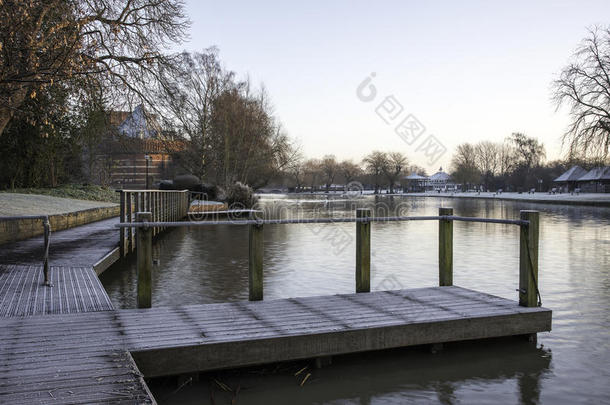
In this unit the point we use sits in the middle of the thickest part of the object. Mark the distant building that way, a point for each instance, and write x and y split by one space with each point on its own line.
136 148
440 181
569 180
596 180
140 125
129 161
414 183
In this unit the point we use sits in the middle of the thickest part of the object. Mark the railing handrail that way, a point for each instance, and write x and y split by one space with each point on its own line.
529 294
151 190
46 226
518 222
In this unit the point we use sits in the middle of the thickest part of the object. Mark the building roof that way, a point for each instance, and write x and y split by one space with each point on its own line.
598 173
415 176
439 176
140 124
575 173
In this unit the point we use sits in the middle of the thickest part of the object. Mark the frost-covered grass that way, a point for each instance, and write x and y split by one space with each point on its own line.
75 191
54 201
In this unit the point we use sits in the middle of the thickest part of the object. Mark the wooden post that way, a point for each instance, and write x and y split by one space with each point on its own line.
528 259
173 207
363 251
144 261
164 209
445 248
255 262
137 198
128 207
186 204
180 205
156 211
122 241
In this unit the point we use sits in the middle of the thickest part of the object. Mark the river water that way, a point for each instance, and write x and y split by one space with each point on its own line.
568 365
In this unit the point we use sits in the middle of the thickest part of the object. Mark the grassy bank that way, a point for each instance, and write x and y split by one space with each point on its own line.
74 191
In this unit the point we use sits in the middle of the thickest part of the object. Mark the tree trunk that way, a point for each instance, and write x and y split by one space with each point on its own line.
5 117
6 111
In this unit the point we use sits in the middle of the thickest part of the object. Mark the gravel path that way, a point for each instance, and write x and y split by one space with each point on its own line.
12 204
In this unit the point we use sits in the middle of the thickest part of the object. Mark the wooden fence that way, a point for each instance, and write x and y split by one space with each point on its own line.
164 206
529 295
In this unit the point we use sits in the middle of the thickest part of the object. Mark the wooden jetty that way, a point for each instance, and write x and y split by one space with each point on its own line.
79 246
85 354
101 355
74 289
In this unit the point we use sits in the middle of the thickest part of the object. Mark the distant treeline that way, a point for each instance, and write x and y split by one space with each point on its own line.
516 164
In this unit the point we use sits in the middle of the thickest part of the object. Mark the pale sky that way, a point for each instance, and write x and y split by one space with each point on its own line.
467 70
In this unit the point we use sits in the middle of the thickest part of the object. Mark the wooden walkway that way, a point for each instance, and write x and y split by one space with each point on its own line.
86 357
62 376
80 246
75 289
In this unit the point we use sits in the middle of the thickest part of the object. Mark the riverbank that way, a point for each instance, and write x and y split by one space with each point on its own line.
63 213
588 199
15 204
87 192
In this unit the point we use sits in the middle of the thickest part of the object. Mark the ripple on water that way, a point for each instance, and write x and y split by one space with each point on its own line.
210 265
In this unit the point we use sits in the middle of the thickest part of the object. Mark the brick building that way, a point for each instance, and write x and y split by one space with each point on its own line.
136 149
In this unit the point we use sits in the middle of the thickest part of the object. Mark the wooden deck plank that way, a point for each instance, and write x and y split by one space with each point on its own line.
75 289
202 320
74 351
222 311
245 324
79 246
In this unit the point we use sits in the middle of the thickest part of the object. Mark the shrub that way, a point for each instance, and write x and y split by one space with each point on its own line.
240 195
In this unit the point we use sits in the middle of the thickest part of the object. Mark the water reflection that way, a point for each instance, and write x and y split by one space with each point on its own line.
206 265
462 373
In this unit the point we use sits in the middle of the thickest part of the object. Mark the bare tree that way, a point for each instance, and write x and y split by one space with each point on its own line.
393 167
374 163
313 172
50 41
329 167
417 170
349 170
228 130
486 155
464 165
487 161
507 160
184 96
529 152
584 85
296 171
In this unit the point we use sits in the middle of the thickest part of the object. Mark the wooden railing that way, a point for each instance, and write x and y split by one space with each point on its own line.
529 295
163 205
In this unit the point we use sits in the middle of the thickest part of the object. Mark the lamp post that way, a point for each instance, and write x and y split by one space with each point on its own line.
147 158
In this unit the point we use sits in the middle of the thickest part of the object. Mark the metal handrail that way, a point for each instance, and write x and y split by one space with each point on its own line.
46 223
518 222
144 190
